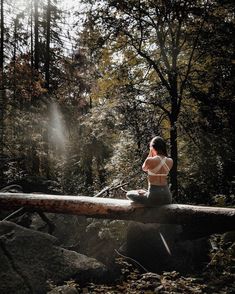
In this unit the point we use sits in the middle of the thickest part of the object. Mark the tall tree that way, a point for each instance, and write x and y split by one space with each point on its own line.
48 41
212 92
36 36
164 34
2 90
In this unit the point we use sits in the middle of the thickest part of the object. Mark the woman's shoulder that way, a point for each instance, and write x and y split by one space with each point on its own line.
161 157
169 158
169 161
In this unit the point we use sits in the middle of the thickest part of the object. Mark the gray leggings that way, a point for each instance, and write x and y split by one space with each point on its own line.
156 195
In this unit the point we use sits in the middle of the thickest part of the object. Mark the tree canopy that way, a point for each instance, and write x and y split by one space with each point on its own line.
83 90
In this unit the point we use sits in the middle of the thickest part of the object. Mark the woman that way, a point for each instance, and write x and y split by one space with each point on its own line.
157 165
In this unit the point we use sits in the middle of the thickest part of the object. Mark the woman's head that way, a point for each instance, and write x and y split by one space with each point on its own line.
159 145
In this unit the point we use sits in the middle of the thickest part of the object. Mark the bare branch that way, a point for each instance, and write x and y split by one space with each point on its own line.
110 188
191 58
157 105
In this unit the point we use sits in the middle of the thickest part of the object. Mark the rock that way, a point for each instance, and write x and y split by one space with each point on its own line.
229 237
159 248
29 259
102 238
69 229
92 237
11 279
232 249
66 289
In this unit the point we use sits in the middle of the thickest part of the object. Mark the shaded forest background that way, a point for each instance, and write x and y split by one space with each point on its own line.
84 89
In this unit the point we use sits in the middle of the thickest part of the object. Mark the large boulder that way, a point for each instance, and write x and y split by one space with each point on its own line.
68 229
92 237
31 259
160 248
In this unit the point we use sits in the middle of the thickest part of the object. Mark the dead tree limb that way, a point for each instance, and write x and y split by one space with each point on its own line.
110 188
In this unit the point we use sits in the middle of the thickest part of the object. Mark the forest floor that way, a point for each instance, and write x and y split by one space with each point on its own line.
168 282
217 277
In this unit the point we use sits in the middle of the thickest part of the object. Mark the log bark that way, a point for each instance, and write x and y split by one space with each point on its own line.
215 219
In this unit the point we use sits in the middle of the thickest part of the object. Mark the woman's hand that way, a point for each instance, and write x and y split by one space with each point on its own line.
142 192
152 152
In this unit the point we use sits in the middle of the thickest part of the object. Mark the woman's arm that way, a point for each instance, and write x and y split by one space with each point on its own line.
148 160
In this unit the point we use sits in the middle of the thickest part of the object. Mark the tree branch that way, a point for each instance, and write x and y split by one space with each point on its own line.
191 58
157 105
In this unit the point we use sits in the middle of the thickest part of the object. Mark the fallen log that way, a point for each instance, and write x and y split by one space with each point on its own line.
218 219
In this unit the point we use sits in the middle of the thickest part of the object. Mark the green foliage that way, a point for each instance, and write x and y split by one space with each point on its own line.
112 99
88 152
220 270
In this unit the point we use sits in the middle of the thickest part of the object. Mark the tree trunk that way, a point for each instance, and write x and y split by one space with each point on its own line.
174 156
2 36
216 219
173 143
36 42
48 37
14 60
2 90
